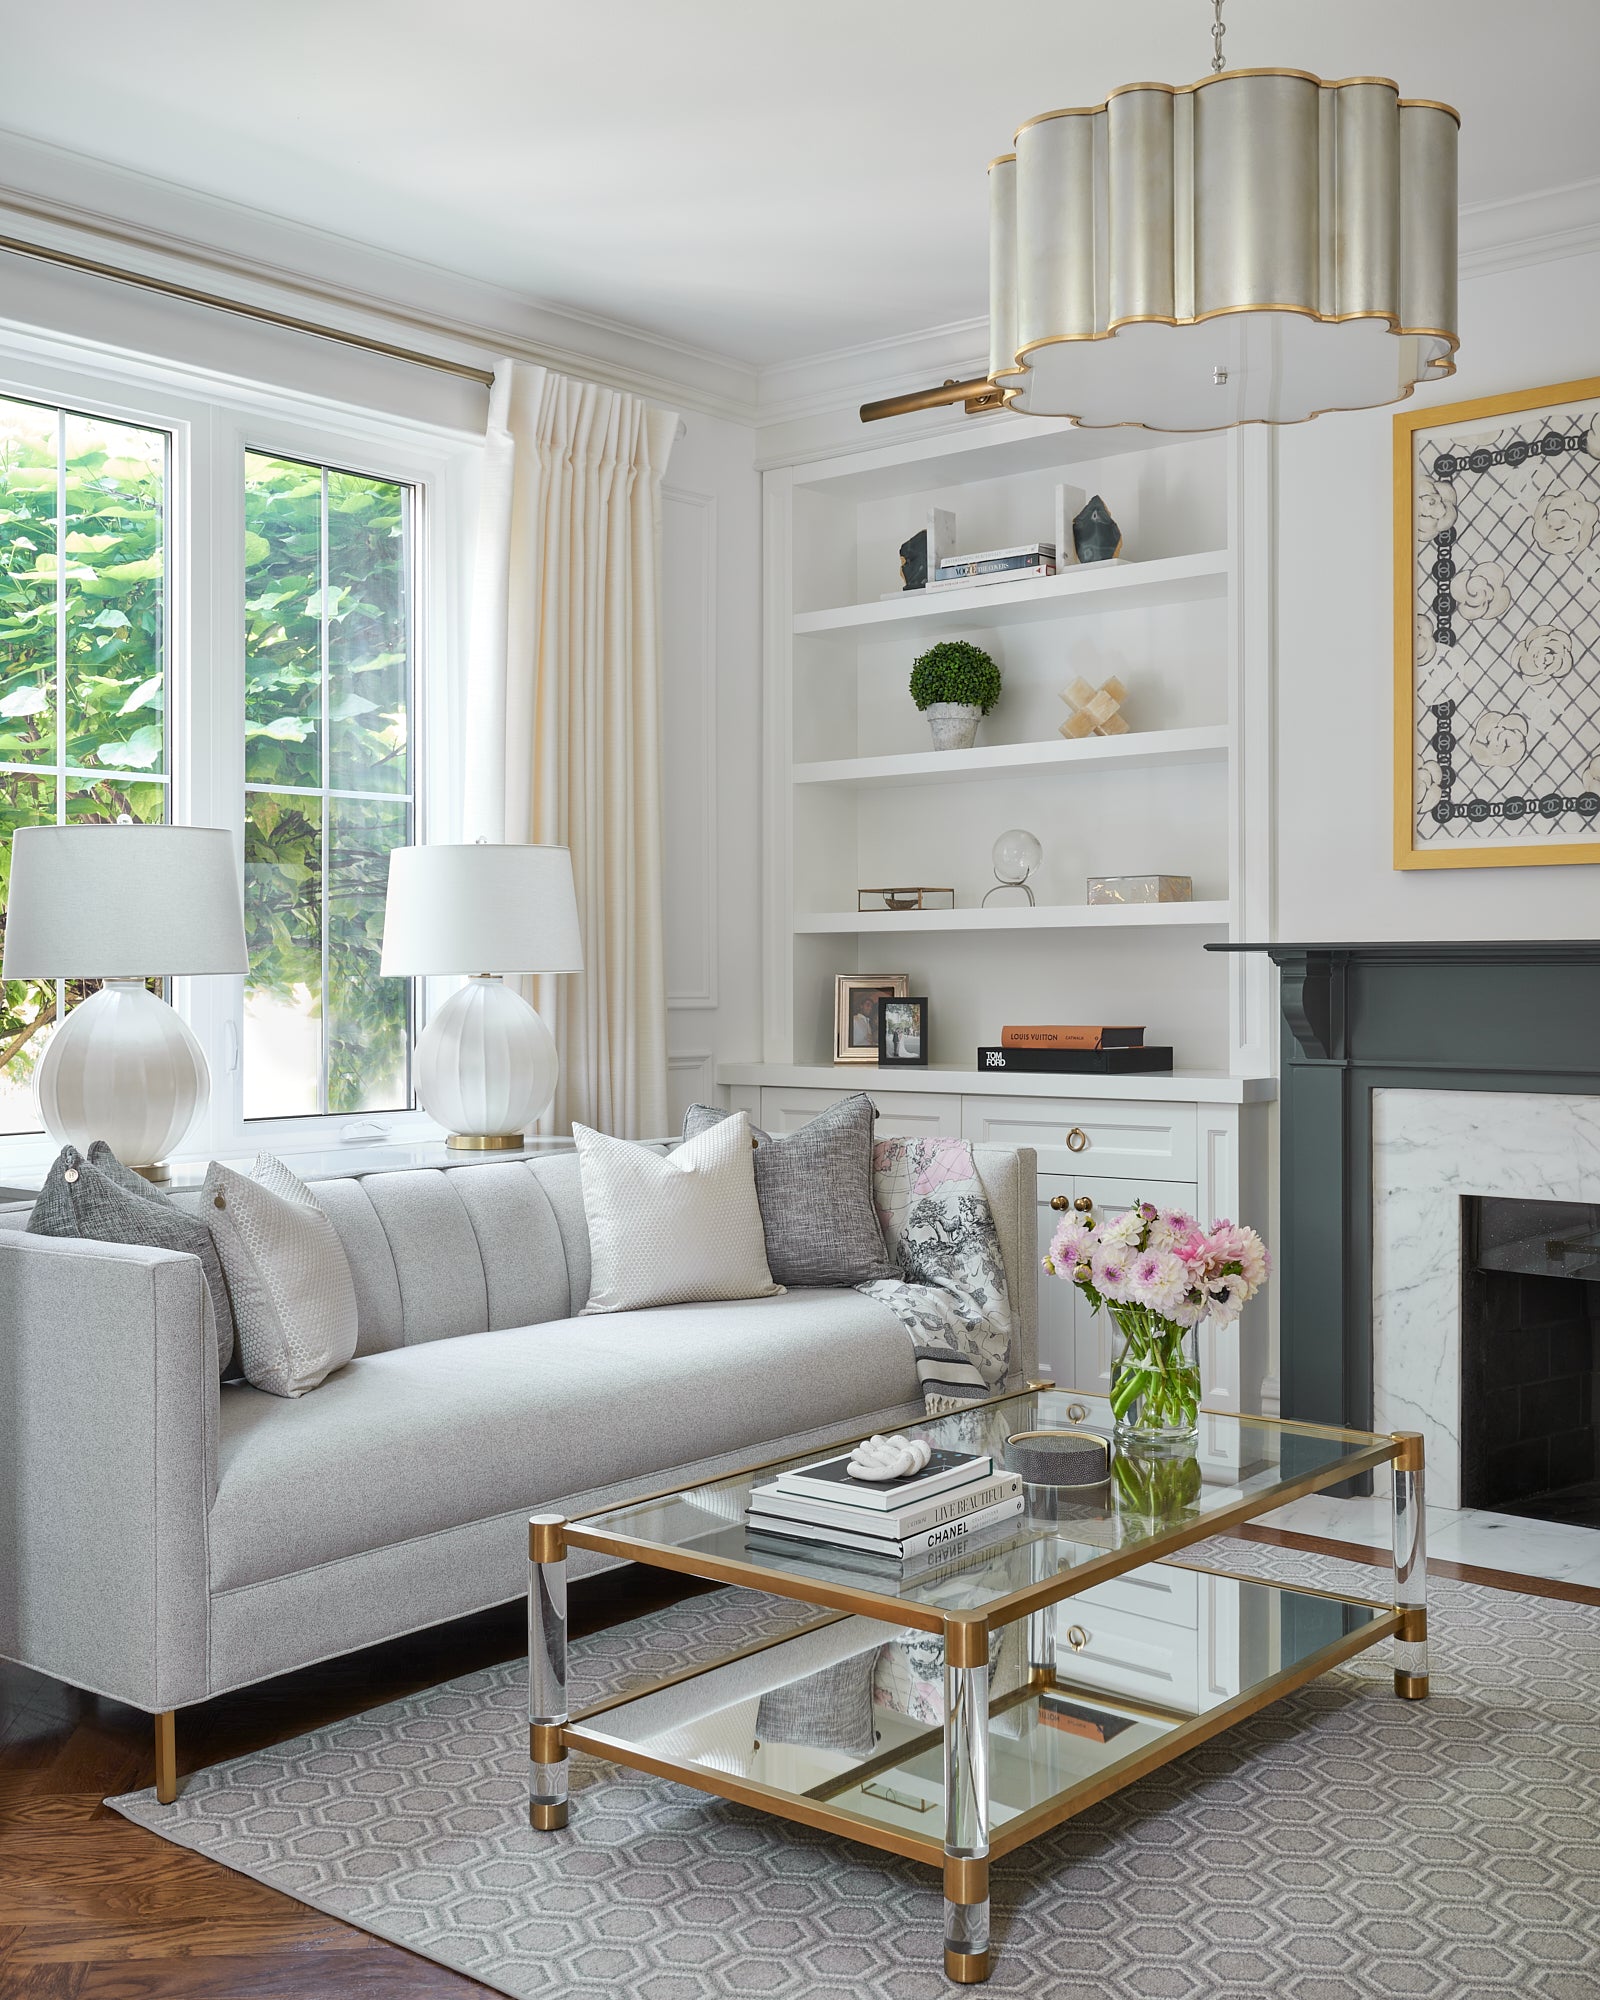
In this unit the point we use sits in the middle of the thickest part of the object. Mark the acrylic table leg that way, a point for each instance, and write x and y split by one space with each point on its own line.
1042 1647
547 1671
966 1801
1410 1570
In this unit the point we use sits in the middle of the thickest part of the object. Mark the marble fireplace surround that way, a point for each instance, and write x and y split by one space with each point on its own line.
1430 1148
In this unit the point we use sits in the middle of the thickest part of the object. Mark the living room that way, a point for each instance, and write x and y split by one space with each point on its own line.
578 1417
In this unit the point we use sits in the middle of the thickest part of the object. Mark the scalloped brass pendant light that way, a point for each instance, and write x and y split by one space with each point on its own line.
1258 247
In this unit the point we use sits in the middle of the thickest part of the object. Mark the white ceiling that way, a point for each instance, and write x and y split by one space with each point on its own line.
763 181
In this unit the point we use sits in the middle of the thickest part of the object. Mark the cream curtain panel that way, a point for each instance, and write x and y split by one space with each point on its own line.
564 712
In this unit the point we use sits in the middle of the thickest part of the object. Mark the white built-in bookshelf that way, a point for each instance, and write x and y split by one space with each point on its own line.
857 798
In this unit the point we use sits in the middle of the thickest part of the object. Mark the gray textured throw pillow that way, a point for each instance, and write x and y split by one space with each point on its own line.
815 1191
101 1199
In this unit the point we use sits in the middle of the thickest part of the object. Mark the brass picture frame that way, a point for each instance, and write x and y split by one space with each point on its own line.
1497 630
855 1027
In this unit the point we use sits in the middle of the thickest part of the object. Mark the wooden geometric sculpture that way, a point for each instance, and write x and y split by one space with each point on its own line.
1094 710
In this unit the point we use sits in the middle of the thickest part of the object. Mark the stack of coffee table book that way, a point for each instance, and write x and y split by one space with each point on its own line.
934 1512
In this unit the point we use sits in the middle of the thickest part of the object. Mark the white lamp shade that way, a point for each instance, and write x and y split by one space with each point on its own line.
122 902
480 909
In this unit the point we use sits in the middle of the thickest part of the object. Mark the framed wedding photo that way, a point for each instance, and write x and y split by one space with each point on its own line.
1497 630
903 1033
857 997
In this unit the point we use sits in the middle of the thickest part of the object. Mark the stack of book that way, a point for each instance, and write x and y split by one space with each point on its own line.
995 566
1066 1050
938 1510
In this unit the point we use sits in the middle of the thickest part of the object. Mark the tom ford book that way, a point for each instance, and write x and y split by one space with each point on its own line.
1076 1062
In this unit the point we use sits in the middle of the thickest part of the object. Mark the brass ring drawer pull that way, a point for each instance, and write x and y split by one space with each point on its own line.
1077 1638
1076 1413
1077 1140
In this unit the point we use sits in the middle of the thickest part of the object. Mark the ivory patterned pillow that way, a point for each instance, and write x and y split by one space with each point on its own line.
669 1229
294 1303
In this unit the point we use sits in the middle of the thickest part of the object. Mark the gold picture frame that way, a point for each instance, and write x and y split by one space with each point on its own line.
1497 630
855 1027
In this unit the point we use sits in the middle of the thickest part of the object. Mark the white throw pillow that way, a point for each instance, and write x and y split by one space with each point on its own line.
669 1229
294 1303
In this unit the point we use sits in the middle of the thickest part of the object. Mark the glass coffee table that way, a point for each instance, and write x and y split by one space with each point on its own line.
952 1712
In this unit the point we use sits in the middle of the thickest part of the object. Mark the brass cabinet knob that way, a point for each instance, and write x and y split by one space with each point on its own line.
1077 1140
1077 1638
1059 1201
1084 1204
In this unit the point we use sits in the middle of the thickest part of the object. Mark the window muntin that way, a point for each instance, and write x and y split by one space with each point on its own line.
83 640
329 783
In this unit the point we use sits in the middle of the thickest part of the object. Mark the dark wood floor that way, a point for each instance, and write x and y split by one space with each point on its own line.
95 1908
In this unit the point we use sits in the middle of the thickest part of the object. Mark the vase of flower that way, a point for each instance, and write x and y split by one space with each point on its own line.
1158 1274
1155 1381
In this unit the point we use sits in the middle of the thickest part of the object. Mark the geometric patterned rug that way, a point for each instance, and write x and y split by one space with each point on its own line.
1338 1846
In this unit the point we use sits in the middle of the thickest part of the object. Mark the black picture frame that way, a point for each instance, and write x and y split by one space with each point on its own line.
896 1032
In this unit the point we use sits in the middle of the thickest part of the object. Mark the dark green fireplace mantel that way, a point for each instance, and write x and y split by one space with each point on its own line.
1410 1016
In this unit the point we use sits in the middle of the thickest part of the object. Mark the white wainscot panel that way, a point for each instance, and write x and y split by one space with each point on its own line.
691 1079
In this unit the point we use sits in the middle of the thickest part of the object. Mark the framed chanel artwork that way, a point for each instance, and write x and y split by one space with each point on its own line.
1497 630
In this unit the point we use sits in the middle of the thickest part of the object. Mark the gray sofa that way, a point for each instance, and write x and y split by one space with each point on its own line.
163 1539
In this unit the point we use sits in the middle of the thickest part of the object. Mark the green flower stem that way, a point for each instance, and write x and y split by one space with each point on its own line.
1154 1370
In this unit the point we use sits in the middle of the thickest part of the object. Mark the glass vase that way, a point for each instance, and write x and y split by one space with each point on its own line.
1155 1383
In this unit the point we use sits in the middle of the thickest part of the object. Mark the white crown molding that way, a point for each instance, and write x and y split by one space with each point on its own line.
807 407
68 201
1538 228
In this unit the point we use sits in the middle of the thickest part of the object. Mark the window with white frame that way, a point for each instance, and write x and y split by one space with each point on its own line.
84 646
328 757
222 617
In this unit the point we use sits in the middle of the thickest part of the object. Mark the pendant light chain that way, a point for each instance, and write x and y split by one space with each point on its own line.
1217 33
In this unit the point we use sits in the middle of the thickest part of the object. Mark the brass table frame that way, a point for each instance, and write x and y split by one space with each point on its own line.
968 1846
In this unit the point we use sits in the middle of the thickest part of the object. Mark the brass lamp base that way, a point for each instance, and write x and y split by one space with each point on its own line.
486 1142
158 1170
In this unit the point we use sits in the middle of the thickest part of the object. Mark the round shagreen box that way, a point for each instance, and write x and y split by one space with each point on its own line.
1059 1458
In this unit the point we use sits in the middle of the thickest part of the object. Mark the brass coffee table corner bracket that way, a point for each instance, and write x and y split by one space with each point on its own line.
546 1743
1412 1451
547 1539
966 1877
1413 1625
966 1644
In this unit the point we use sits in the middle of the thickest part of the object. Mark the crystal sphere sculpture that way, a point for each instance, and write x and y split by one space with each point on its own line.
1017 854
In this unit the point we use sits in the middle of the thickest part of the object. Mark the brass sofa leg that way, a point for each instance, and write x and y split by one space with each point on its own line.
167 1756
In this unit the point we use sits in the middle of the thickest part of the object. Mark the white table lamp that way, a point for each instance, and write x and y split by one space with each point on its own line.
486 1064
122 904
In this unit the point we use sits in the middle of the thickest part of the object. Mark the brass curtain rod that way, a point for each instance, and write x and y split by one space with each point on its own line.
43 254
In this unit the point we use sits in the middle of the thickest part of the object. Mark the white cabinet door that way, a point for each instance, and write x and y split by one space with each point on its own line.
1130 1141
902 1114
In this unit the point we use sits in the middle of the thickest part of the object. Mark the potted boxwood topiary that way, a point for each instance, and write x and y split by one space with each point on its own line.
955 684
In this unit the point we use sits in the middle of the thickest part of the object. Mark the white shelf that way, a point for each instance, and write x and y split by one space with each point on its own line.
1169 579
1169 1086
1140 750
1010 917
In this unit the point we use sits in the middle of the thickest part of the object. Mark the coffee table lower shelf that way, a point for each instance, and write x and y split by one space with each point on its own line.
1037 1742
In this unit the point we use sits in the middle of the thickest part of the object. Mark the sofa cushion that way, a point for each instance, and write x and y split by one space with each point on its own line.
420 1439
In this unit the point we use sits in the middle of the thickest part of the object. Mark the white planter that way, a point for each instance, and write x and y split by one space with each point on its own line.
954 724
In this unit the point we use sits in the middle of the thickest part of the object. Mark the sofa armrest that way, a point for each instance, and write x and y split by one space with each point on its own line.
109 1405
1010 1178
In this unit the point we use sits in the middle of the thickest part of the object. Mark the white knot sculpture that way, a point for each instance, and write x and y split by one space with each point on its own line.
883 1458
